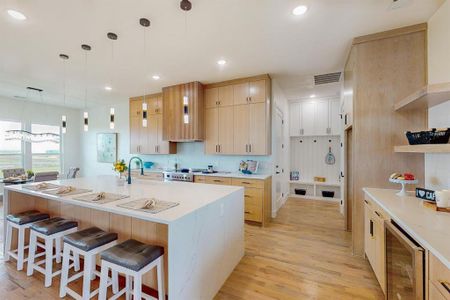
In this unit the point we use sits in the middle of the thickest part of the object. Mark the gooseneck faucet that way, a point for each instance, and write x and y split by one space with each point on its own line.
129 167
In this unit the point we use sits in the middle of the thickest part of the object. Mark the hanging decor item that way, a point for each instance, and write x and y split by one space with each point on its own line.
64 57
145 23
186 5
186 110
113 37
86 49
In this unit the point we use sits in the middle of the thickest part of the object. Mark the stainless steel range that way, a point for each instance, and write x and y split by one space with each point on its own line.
178 176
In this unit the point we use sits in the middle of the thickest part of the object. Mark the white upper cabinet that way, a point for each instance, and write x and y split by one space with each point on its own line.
314 118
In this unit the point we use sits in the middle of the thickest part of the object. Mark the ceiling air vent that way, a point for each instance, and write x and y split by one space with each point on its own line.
327 78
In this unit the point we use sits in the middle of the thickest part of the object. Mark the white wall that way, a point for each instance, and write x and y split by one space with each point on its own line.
437 166
38 113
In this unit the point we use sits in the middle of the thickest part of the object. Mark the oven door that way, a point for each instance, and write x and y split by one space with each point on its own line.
404 265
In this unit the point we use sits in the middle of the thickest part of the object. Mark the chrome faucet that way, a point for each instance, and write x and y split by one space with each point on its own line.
129 167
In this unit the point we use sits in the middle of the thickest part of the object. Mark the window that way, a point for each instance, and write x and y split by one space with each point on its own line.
45 156
11 154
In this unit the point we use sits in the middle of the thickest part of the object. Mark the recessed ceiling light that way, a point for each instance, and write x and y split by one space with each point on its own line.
16 15
312 96
300 10
221 62
156 77
108 88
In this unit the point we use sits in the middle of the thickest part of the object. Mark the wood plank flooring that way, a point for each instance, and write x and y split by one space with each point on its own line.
302 254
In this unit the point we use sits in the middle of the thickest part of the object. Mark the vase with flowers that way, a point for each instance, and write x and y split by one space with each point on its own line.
120 167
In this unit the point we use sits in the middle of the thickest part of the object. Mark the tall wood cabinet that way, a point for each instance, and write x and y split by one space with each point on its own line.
148 140
238 117
382 69
183 112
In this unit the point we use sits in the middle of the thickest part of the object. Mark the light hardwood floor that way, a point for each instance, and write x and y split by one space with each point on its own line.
302 254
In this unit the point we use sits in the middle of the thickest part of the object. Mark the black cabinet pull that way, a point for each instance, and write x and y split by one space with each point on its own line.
371 228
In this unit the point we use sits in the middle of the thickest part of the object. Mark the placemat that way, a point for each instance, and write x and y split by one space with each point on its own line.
139 203
39 187
108 197
74 192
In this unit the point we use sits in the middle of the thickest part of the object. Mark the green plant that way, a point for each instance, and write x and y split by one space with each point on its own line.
30 173
120 166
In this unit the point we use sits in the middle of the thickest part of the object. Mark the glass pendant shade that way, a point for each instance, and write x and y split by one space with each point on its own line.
186 110
86 121
64 124
111 118
144 114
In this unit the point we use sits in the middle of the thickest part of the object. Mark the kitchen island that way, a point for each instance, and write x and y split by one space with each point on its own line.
203 235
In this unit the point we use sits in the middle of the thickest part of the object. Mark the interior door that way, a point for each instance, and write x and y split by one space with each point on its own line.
294 119
226 129
257 91
225 95
211 130
257 133
240 93
321 118
308 112
241 129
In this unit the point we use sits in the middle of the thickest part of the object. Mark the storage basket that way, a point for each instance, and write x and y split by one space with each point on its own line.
300 192
328 194
432 136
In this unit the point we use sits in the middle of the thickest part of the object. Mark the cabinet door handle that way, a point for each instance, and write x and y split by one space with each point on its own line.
250 148
250 99
245 182
366 201
446 286
247 212
371 228
247 196
220 148
217 180
378 214
246 148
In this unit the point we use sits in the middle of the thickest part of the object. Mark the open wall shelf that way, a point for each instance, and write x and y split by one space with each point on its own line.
428 96
437 148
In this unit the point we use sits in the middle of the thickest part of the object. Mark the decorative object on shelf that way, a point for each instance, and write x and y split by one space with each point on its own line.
248 167
120 167
404 179
64 57
433 136
295 175
86 49
113 37
148 164
319 179
106 147
329 158
443 199
30 137
425 194
145 23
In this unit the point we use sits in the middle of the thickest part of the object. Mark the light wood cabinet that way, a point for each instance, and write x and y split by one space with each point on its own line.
241 129
250 92
374 240
257 195
219 96
148 140
183 122
219 130
439 279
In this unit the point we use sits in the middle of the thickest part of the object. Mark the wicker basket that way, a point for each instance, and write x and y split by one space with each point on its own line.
433 136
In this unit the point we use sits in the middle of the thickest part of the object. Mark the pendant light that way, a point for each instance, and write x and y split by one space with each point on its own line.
86 49
145 23
64 57
113 37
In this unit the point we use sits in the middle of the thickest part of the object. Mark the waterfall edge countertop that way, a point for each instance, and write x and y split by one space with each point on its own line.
190 197
428 227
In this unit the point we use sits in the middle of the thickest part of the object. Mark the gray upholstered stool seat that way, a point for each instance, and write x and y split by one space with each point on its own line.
132 254
53 225
90 238
26 217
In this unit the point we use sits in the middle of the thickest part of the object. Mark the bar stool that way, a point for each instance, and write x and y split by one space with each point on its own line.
50 230
21 222
88 242
133 259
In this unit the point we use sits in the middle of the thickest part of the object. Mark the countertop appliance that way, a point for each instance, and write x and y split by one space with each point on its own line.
405 267
178 176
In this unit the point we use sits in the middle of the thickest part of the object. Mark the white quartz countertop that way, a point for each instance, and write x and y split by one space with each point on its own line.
428 227
191 197
218 174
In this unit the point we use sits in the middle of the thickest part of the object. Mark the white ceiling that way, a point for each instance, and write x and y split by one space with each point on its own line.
254 36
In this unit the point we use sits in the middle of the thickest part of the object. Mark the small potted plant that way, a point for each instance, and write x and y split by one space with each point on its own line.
121 167
30 174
